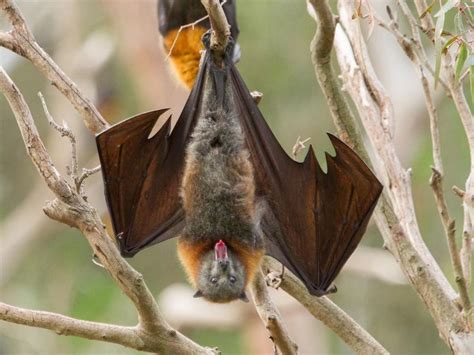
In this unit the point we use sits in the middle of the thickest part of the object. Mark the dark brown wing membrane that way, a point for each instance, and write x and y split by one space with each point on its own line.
142 176
313 221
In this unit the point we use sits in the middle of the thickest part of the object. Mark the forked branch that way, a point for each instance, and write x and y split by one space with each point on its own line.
152 332
323 309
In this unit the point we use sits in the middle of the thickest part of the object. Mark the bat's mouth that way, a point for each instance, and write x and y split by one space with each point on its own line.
220 251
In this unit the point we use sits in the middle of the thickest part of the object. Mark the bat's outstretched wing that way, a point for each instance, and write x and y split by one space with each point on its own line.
142 175
313 220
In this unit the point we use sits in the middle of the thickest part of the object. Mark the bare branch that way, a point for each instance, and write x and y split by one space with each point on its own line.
299 146
321 46
412 48
395 215
427 20
176 37
450 231
34 146
466 250
21 41
271 317
65 131
220 27
70 208
257 96
403 239
322 308
85 174
62 325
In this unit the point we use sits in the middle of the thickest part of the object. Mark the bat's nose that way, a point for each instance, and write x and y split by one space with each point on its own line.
224 264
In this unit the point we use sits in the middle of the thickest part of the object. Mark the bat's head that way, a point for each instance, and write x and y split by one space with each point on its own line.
222 276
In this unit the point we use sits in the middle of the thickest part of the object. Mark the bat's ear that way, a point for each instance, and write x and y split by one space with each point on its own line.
244 297
198 294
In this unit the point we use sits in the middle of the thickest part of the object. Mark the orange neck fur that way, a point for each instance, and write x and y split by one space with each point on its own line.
190 255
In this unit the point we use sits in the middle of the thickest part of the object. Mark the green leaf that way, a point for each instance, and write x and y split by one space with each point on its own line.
460 60
448 44
469 61
448 5
439 26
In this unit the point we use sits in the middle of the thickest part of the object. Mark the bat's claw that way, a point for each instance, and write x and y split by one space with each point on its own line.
273 279
95 260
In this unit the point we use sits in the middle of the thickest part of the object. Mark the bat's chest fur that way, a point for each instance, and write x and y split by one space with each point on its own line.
218 184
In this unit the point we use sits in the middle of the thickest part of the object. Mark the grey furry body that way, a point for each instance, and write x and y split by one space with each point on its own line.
218 186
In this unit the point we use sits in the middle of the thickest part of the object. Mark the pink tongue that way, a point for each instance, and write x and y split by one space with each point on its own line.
220 250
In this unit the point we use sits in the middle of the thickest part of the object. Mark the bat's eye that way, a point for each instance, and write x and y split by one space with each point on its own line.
214 280
232 279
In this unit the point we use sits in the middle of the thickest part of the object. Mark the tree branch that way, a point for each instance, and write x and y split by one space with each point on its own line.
450 231
62 325
219 25
412 48
65 131
21 41
395 215
398 226
321 46
70 208
271 317
323 309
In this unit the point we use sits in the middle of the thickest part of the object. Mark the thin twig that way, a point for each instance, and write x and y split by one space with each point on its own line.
416 39
257 96
467 119
271 317
299 146
433 114
65 131
436 180
85 174
220 28
170 51
450 231
458 191
181 28
21 41
427 24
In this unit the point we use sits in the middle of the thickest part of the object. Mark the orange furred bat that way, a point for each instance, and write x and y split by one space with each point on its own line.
222 183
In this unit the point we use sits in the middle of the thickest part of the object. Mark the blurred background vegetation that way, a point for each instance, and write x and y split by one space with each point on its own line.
112 50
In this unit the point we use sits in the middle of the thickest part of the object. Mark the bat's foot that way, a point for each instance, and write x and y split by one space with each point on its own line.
95 260
331 289
274 279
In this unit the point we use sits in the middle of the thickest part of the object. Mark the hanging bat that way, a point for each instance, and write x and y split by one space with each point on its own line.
182 24
222 183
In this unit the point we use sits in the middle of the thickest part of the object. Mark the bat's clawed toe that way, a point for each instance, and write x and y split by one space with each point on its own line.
274 279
